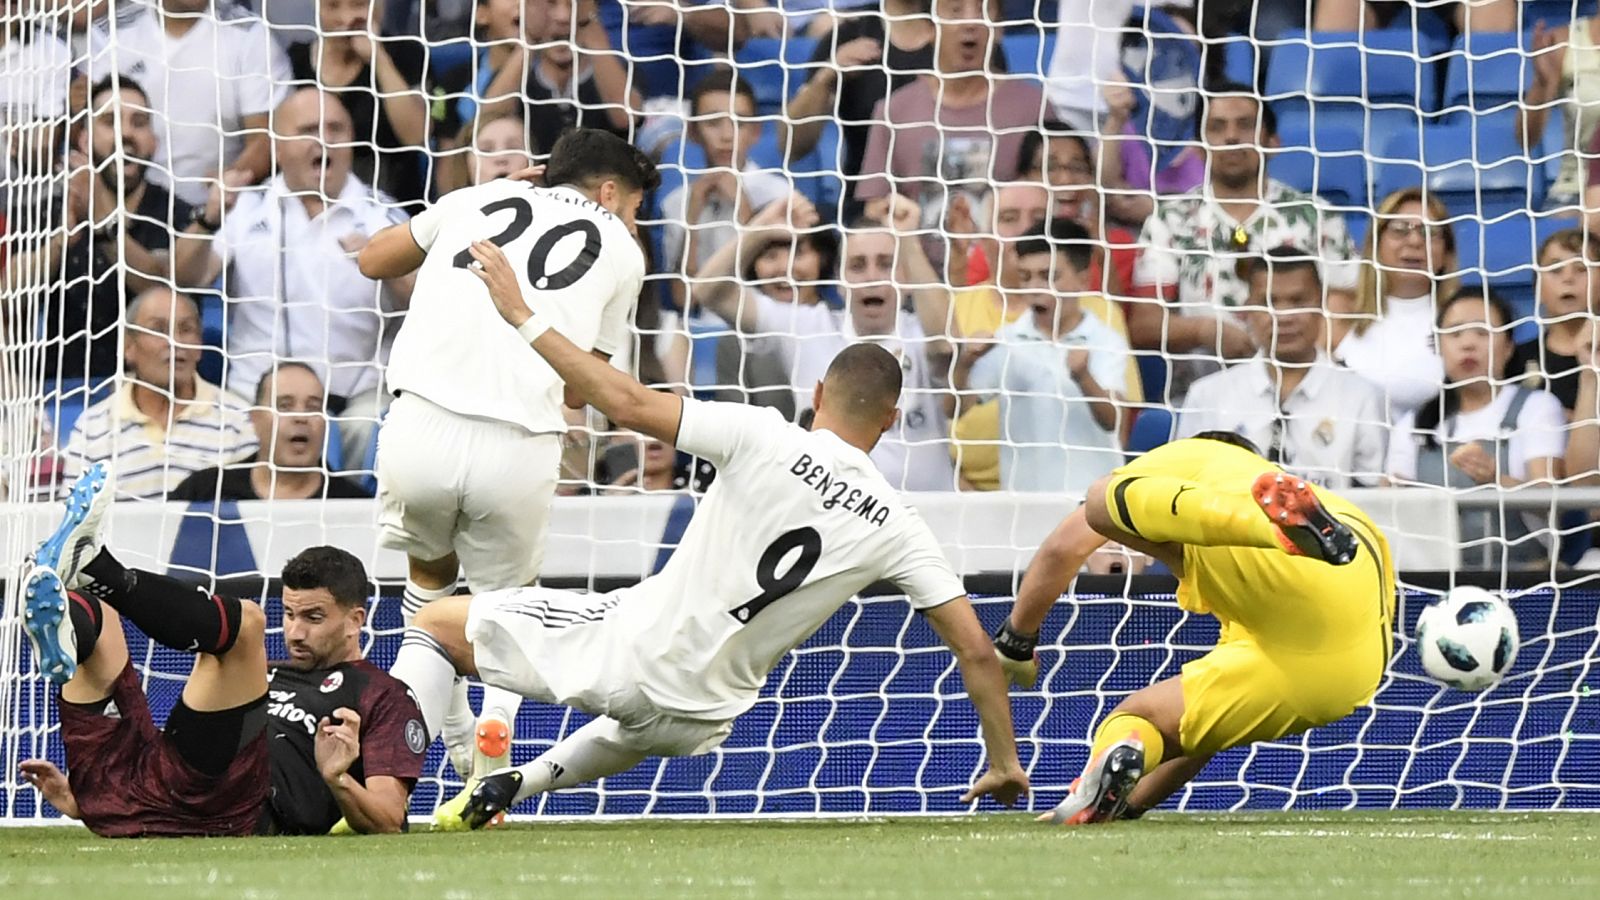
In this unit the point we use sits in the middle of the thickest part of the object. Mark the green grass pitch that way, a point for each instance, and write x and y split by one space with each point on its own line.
1414 855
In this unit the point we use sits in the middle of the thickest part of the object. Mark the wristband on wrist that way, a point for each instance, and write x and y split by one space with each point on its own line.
532 329
1013 644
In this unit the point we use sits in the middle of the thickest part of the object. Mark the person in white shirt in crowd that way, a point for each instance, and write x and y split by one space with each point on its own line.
469 456
702 213
1193 243
213 73
33 110
1059 372
165 421
294 289
1483 432
881 262
1410 260
1314 417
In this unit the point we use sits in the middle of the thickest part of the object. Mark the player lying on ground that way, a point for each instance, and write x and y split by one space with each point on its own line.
339 737
1301 580
469 455
796 523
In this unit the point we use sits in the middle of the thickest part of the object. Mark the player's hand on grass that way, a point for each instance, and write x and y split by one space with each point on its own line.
494 270
1006 785
337 746
52 785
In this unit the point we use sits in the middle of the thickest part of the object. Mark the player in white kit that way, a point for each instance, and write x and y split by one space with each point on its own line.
796 524
468 456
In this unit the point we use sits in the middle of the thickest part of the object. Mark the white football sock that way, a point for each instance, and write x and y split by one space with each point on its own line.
501 704
593 751
416 597
425 667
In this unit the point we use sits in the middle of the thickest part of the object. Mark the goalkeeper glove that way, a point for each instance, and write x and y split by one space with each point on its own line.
1017 656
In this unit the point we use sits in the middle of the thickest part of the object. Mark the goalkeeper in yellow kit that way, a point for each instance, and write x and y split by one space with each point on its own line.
1300 578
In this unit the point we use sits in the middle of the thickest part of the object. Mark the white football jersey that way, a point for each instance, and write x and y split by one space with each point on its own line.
795 525
578 267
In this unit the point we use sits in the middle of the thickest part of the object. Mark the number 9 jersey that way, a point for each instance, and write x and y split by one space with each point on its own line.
579 269
795 525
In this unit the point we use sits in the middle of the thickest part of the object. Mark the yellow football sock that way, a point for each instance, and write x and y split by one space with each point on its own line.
1171 510
1120 727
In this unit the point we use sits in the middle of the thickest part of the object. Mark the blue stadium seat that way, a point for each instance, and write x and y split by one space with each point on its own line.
1151 428
1327 159
1152 376
1476 170
445 56
1486 71
1243 61
1027 52
1347 75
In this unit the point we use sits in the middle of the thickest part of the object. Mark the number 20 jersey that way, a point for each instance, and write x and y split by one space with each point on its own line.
795 525
579 269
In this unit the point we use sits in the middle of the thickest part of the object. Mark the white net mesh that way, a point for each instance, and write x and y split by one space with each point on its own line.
1050 211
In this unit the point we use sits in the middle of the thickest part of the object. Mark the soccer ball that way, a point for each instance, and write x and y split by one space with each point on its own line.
1468 640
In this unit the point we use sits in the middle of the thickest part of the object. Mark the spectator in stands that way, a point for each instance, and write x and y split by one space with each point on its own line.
571 78
288 419
814 18
1410 260
164 421
979 313
213 74
1318 419
954 130
378 80
496 147
1356 15
1193 244
1569 296
701 213
33 103
880 258
294 290
1060 373
870 54
1004 212
1063 161
1482 430
1130 174
640 465
669 41
113 218
1565 61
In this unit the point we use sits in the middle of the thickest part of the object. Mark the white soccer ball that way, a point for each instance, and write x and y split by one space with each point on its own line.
1468 639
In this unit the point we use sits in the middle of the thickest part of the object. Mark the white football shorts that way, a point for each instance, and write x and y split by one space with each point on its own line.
565 647
478 488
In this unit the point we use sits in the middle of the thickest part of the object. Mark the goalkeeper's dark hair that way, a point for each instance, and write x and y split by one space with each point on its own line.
337 571
1227 90
1432 414
1062 236
586 157
1228 437
863 382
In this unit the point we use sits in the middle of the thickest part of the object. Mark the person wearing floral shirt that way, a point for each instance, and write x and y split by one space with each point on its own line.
1189 276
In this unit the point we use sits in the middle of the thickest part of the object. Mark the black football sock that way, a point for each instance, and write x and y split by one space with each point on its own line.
173 613
86 622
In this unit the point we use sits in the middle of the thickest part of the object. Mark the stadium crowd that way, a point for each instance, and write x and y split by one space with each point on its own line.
1081 235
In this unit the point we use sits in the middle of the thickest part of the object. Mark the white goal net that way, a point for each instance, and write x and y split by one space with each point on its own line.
1359 235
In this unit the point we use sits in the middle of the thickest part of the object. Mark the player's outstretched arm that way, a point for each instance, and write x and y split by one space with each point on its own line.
392 253
1058 561
959 628
619 396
